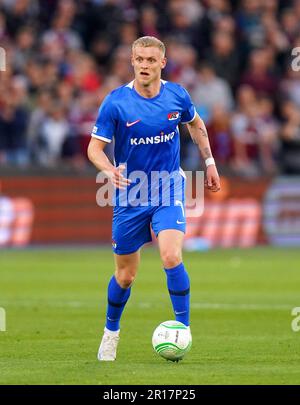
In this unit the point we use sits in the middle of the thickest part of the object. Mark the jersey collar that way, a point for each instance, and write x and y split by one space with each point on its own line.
131 86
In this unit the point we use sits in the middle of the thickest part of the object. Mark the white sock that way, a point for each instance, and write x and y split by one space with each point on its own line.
111 332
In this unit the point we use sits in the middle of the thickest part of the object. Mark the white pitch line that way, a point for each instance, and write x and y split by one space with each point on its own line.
247 307
148 305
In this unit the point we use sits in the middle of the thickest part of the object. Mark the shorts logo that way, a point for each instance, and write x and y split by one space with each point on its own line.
114 244
95 129
173 115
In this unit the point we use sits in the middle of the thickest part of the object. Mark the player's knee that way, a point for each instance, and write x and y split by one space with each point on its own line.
124 279
171 259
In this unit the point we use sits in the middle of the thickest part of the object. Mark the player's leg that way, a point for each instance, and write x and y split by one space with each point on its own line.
170 246
119 287
131 229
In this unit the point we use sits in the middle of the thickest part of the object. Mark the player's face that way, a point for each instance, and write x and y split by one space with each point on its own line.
147 63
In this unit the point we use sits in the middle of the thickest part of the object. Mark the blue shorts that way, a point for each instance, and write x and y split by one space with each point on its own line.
131 225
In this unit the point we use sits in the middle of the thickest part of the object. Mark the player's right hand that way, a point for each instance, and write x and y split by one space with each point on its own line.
117 178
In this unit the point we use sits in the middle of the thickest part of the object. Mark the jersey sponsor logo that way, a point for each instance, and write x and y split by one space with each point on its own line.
173 115
152 139
129 124
95 129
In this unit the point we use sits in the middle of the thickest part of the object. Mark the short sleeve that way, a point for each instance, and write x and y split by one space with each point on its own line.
104 128
189 110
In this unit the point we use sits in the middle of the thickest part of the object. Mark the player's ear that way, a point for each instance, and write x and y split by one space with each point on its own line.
163 63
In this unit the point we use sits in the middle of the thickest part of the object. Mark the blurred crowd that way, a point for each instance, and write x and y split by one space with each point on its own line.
234 57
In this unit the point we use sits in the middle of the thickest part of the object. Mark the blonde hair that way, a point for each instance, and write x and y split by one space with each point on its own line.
149 41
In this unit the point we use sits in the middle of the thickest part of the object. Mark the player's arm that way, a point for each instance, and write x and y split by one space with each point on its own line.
99 159
199 136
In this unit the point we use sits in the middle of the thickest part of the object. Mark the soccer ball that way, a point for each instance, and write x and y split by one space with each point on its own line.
172 340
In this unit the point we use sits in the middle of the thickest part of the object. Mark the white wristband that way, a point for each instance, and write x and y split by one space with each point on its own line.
209 161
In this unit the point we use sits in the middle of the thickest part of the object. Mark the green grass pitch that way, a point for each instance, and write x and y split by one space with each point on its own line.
241 303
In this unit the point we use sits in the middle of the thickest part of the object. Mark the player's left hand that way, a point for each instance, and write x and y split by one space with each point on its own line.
212 181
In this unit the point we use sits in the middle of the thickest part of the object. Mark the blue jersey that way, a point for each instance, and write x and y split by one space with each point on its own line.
145 130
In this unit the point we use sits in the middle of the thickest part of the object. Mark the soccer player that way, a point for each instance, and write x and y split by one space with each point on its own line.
143 118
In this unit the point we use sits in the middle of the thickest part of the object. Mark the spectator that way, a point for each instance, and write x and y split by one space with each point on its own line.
20 13
38 116
13 126
149 22
84 75
224 57
54 133
249 23
181 64
25 48
62 33
258 75
290 23
183 18
211 91
290 139
3 28
102 49
290 86
82 118
220 136
254 132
